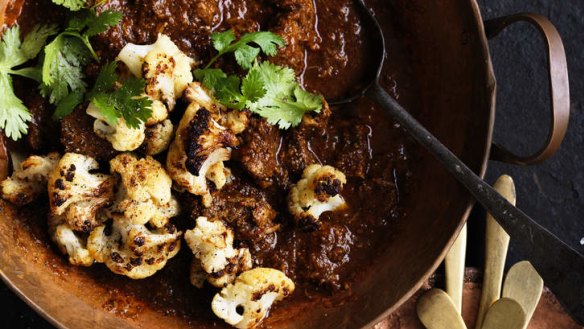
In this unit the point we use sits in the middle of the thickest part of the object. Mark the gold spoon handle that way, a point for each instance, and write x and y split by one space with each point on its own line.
496 245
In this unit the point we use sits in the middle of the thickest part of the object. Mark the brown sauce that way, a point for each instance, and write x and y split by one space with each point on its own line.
326 48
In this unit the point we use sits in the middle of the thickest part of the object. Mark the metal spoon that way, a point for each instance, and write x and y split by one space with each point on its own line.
436 311
561 266
505 314
524 285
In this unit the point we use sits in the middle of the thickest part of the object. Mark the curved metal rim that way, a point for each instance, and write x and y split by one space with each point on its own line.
491 90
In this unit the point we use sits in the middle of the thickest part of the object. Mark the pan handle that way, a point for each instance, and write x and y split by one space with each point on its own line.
559 87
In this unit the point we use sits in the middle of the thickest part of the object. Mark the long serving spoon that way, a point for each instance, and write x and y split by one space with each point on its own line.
561 267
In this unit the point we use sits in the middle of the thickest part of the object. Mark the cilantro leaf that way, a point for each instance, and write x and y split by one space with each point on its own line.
68 104
65 57
253 87
14 116
62 69
97 24
284 102
72 5
35 40
245 53
128 101
222 40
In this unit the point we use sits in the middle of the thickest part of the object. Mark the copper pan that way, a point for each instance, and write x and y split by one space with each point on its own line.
443 44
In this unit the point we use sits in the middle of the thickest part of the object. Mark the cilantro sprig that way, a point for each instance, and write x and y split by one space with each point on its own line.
14 116
243 49
64 58
267 89
120 100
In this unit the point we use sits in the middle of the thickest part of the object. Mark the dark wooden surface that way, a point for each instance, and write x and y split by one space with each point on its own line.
553 192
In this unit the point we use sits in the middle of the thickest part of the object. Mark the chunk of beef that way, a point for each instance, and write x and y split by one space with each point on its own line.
297 152
258 153
352 155
296 23
77 136
187 22
246 210
326 253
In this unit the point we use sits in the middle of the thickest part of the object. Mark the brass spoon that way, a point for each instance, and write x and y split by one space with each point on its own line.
561 266
496 245
524 285
505 314
436 311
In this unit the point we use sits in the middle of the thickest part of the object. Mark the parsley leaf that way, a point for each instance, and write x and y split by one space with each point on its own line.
72 5
14 116
245 53
126 101
68 53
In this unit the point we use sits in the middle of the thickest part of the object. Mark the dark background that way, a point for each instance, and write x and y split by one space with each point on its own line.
552 192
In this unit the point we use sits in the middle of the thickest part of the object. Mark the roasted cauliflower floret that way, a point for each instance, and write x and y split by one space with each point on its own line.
201 145
212 245
247 302
69 242
122 137
316 192
167 70
29 179
76 193
143 192
158 137
132 249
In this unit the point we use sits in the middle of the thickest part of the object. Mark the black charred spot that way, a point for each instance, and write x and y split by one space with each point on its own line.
327 187
129 267
57 200
59 184
139 241
117 258
70 173
150 261
107 230
136 261
198 126
172 246
170 228
87 226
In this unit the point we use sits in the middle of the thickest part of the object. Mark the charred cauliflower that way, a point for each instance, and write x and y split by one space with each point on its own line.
29 179
143 191
212 245
69 242
316 192
122 137
158 137
76 194
245 303
167 70
201 145
133 249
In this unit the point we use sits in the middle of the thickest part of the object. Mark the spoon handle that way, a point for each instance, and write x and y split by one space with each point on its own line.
561 267
496 245
454 267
